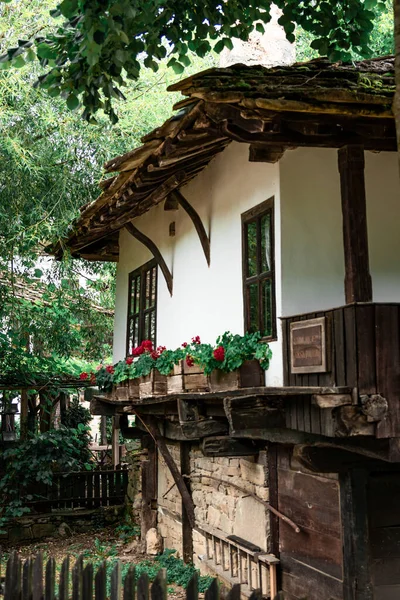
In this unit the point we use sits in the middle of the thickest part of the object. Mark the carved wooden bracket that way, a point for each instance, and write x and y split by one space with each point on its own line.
197 222
141 237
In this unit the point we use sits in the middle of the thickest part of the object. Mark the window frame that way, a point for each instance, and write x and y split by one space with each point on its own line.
142 312
255 214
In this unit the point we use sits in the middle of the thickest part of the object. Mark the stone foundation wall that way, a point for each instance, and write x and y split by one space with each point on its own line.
217 503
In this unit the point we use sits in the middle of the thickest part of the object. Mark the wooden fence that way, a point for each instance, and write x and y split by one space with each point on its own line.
29 581
87 489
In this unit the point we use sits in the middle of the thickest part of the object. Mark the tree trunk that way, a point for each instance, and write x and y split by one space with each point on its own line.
396 8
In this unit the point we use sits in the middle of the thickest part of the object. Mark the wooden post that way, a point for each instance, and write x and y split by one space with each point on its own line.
187 531
24 414
149 486
103 430
115 442
63 407
358 285
354 515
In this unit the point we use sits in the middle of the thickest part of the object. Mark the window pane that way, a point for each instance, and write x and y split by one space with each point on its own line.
152 336
148 289
133 334
266 257
135 292
252 307
153 288
267 308
251 239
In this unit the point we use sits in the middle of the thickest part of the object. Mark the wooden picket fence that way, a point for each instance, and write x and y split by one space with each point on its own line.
84 489
28 580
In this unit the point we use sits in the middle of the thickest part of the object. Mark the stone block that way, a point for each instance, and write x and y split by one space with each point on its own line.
252 472
213 517
154 542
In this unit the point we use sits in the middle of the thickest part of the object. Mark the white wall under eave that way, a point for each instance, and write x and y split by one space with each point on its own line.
383 218
311 229
206 300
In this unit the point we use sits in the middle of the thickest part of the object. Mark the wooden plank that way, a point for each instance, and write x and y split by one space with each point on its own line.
100 582
358 283
300 581
96 489
354 516
142 587
87 583
388 366
27 580
50 579
63 587
129 584
227 446
349 314
116 582
339 353
385 542
77 579
38 578
159 586
192 590
104 491
386 592
366 353
187 531
89 489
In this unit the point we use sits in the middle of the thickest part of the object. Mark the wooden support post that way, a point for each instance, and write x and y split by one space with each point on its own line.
149 486
354 515
187 531
146 241
115 442
103 430
358 285
152 426
63 407
24 414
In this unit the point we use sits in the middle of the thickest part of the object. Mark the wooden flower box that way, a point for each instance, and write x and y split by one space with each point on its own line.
127 390
153 384
187 379
250 374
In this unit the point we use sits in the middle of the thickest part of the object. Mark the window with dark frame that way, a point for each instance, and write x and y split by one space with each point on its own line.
259 269
142 305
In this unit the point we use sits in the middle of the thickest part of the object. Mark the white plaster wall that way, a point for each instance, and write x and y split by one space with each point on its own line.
311 229
206 300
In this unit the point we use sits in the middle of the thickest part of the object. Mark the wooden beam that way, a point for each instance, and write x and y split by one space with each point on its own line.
146 241
227 446
187 530
152 426
358 284
197 222
268 154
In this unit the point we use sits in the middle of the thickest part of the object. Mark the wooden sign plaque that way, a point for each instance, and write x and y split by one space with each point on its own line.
308 346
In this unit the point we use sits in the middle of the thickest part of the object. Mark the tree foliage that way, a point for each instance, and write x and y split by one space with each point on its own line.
92 47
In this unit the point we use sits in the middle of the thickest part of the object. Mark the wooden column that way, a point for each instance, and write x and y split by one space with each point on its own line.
187 531
149 486
354 516
115 442
358 285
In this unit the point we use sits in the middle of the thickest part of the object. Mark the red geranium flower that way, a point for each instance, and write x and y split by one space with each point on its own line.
219 353
147 345
184 345
154 355
161 349
83 376
137 351
92 378
189 361
196 340
129 360
110 369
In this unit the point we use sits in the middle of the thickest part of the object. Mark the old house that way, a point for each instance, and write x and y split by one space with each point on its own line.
269 201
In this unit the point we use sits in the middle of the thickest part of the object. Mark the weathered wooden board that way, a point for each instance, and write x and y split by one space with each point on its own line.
300 582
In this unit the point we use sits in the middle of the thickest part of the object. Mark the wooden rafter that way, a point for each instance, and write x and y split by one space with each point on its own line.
197 222
146 241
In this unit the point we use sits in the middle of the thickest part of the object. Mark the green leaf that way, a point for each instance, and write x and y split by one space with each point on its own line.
45 51
68 8
38 273
260 28
72 102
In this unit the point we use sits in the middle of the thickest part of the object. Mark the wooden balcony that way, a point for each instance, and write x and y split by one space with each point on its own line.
361 346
